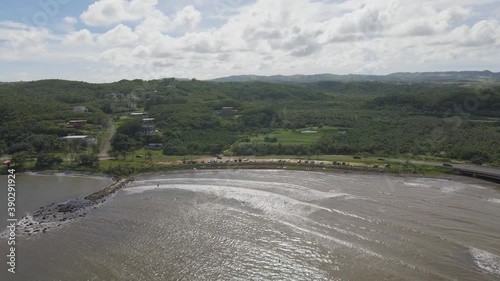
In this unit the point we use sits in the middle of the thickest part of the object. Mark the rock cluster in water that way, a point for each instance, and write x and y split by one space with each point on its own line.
55 215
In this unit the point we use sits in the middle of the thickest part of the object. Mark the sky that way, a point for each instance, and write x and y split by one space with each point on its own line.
110 40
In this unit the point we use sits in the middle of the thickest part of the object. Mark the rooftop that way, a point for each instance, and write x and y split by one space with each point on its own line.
75 137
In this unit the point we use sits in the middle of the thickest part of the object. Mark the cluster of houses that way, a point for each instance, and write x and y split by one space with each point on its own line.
77 123
148 124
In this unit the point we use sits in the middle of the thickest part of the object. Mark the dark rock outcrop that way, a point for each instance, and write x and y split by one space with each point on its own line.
55 215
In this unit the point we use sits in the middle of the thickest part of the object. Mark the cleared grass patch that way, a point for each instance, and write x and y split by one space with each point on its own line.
295 137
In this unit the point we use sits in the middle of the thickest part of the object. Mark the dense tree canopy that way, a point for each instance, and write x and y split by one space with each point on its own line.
456 120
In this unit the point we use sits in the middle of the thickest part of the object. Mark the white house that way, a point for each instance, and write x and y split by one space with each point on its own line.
87 139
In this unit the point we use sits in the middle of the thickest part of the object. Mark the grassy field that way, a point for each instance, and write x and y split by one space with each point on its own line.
295 137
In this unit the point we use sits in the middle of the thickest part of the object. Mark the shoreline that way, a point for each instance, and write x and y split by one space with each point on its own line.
57 214
174 168
68 173
442 176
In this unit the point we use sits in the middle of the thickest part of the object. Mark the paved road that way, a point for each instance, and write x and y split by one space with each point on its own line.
489 172
107 142
347 157
483 169
419 162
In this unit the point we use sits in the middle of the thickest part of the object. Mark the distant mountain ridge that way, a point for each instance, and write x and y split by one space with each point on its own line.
447 76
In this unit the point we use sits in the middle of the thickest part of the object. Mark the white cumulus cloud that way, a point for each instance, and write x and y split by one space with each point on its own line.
119 35
80 37
271 37
108 12
187 18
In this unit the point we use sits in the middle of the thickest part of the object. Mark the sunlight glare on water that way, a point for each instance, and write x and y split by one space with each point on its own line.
269 225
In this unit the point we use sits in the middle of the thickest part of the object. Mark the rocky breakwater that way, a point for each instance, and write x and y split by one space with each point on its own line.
55 214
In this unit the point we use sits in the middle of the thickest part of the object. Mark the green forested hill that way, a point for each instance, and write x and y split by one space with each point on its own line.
454 120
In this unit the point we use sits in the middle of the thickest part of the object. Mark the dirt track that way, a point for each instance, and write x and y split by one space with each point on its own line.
107 141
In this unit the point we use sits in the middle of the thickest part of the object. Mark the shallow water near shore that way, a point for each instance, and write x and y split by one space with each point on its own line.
275 224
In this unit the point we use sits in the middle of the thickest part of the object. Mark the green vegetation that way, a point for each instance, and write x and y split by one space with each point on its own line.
427 120
304 136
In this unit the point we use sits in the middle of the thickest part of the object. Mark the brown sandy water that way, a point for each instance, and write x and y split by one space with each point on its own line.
275 225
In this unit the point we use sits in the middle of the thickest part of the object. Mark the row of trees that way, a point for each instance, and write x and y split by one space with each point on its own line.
49 161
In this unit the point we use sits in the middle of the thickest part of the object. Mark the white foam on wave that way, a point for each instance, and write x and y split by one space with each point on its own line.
271 203
295 191
24 224
25 220
494 200
285 203
452 188
446 186
350 215
282 199
486 261
414 184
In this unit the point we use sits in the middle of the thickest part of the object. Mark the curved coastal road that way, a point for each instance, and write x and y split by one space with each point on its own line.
107 142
